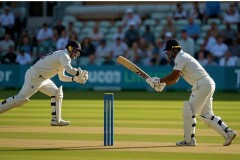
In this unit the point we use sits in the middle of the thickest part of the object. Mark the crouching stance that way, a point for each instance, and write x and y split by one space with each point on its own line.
200 101
37 78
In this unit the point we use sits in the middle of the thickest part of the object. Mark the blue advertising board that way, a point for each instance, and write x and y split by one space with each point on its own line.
118 77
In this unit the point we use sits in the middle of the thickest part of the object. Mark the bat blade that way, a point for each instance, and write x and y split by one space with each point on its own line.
132 67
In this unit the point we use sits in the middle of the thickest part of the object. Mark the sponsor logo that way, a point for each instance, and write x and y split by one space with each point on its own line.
5 76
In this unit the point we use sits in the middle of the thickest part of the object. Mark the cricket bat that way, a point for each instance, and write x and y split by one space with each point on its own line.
132 67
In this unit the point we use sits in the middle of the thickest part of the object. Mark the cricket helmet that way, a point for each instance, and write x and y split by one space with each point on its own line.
74 49
172 47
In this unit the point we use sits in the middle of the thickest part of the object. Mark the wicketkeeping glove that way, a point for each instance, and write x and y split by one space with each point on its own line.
82 77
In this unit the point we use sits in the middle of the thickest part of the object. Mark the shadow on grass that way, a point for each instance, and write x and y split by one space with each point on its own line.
87 148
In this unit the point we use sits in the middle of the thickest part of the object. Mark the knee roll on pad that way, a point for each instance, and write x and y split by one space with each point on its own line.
59 94
187 110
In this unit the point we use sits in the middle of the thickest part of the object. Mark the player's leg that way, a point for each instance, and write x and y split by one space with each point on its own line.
189 124
215 122
190 110
12 102
56 94
30 86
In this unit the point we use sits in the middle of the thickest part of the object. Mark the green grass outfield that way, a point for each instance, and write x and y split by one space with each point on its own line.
147 125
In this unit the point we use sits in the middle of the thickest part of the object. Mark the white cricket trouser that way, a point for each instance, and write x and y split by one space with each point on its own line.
34 82
201 96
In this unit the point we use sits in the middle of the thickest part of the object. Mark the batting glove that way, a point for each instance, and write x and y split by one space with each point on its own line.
150 82
155 83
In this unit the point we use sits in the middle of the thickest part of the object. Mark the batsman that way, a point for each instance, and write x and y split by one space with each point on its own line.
37 78
200 101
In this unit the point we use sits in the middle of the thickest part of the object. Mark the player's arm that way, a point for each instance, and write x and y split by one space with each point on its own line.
172 78
63 77
66 64
80 76
158 84
71 70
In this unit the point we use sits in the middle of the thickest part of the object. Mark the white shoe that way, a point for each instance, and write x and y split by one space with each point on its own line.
61 123
184 143
232 134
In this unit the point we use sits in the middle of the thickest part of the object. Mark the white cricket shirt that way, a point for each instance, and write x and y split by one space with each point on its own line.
191 70
49 65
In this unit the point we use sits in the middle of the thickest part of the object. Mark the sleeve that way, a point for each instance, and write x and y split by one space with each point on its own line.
71 70
64 59
66 63
179 64
63 77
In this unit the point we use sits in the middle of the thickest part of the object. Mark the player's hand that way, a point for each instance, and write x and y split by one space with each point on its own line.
150 81
160 87
82 77
155 83
85 74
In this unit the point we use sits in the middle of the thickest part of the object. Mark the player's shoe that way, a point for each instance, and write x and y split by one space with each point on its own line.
61 123
184 143
232 134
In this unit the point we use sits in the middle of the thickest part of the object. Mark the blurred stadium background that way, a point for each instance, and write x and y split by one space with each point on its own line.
146 123
208 31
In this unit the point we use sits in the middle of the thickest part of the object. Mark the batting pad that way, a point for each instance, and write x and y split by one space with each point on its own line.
12 102
59 97
216 124
53 107
189 122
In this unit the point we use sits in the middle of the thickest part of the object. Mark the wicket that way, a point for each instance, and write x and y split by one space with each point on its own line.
108 119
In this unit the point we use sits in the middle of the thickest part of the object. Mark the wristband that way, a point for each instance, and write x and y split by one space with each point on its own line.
77 73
